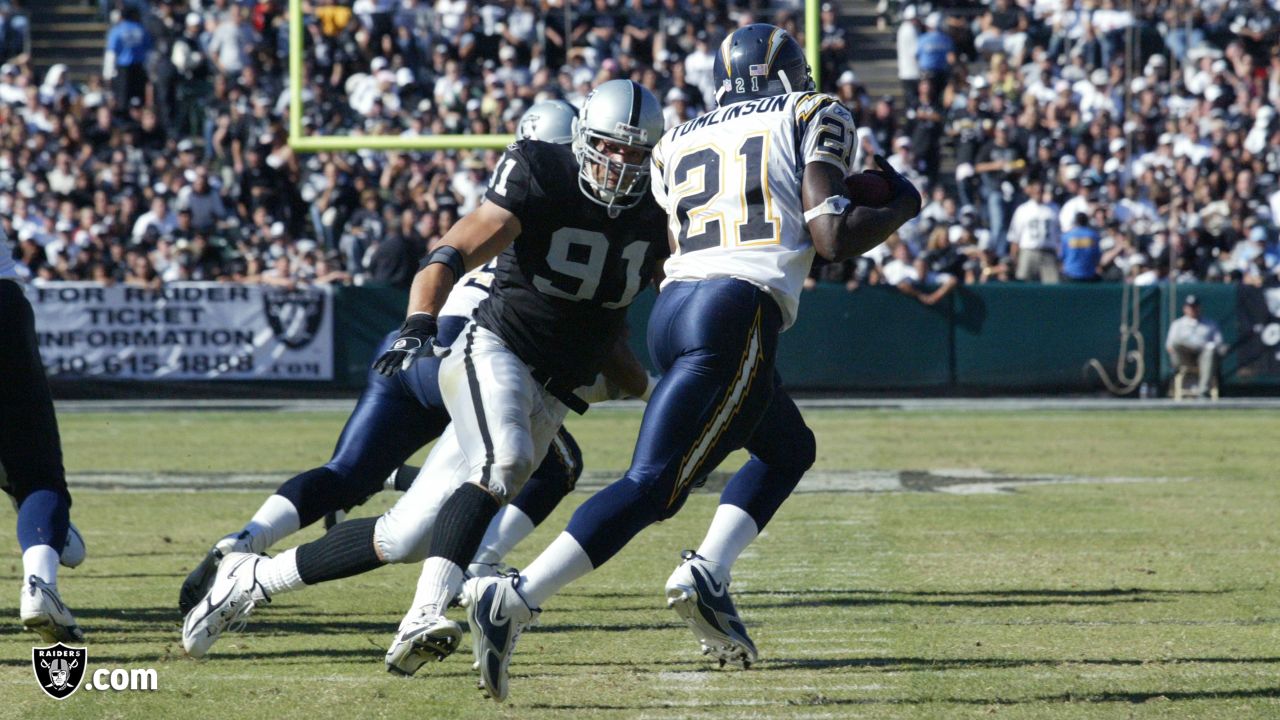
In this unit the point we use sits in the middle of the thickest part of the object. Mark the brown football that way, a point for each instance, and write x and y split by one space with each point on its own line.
868 189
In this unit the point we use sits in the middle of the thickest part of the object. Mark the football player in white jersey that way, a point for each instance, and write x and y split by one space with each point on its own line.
751 189
31 470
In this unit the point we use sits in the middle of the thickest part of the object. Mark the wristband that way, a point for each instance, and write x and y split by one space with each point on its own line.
422 321
450 257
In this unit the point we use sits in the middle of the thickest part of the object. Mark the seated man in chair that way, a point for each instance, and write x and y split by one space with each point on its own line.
1195 342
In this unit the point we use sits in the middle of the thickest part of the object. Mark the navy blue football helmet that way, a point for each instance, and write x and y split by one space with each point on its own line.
758 61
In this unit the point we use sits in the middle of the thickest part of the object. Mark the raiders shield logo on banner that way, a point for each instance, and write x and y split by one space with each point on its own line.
59 669
294 315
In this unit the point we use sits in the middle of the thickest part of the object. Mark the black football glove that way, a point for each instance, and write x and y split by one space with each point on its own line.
905 194
417 336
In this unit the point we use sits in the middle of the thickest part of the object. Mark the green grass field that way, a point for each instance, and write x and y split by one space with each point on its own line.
1084 600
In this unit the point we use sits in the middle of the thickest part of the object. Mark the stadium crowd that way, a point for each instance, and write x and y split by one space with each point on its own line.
1045 151
174 164
1071 159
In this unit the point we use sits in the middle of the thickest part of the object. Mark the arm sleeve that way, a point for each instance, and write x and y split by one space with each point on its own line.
826 132
512 186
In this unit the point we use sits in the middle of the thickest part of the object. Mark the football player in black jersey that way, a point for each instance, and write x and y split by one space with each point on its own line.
576 235
394 417
401 534
31 469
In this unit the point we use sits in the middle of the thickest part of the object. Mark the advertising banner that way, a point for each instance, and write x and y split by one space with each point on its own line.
184 331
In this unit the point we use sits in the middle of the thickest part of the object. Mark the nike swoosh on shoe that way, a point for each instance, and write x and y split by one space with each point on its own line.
497 621
212 606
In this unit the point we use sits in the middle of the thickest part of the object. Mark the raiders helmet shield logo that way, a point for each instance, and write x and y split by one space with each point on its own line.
59 669
294 315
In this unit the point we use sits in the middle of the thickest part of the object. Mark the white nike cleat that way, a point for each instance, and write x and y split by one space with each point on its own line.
197 584
424 635
73 550
43 612
497 613
698 591
235 592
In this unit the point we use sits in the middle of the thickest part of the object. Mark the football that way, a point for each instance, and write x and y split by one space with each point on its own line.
868 189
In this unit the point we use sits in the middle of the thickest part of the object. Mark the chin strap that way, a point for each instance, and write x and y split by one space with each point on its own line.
834 205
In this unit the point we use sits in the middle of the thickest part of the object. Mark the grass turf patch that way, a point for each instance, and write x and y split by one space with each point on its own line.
1067 601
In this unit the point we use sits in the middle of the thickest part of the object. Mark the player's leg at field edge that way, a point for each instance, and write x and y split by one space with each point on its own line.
30 446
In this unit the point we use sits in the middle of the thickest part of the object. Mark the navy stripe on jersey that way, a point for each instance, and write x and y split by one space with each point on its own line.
473 381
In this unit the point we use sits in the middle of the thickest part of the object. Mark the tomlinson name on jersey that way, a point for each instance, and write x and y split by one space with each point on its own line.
747 107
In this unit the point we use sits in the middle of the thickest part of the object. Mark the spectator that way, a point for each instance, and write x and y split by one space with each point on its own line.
15 33
925 121
900 272
158 220
833 50
395 259
938 270
229 43
1082 257
128 44
1196 341
1033 235
908 47
936 54
997 165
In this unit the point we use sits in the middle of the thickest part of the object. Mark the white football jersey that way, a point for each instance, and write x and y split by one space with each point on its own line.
467 293
8 268
730 183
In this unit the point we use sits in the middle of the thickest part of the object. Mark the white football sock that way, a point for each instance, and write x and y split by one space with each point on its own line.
561 563
506 530
731 531
439 582
274 521
280 573
41 561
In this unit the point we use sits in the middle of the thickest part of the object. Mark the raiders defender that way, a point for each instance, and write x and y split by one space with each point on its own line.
394 418
589 239
401 534
31 464
751 190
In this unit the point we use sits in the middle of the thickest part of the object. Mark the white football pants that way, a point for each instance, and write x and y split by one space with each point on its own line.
504 420
503 423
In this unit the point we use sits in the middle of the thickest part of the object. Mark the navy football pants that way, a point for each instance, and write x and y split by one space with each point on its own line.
715 342
30 448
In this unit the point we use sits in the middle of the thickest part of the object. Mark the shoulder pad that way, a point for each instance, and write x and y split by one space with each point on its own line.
810 103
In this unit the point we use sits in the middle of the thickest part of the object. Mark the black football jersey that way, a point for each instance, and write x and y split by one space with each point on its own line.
561 290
